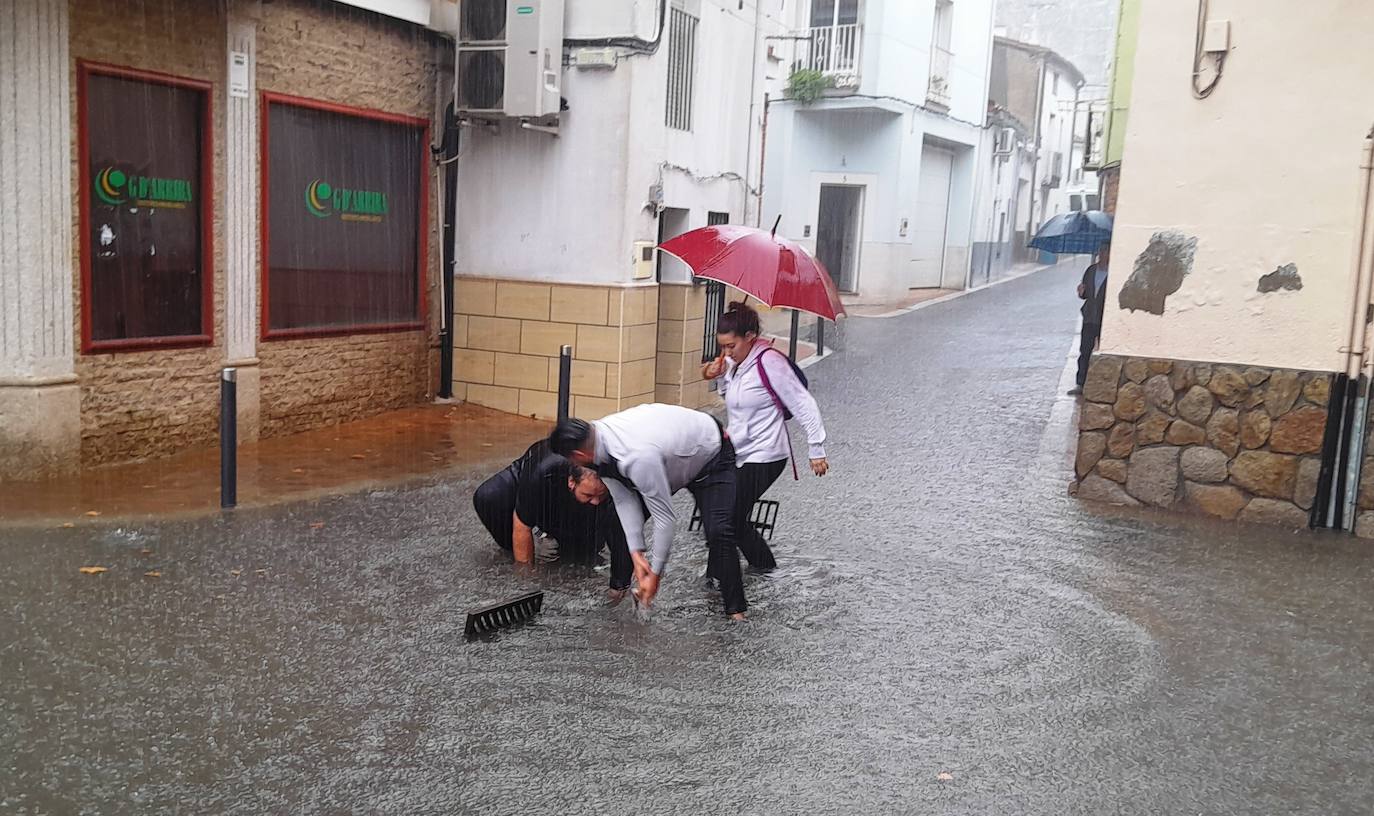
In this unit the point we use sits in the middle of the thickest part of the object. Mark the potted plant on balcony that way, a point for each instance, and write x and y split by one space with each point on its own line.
806 85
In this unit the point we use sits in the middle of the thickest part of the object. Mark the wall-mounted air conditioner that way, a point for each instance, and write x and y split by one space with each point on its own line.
510 58
1005 142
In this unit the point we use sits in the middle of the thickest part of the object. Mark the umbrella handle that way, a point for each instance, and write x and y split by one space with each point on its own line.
774 233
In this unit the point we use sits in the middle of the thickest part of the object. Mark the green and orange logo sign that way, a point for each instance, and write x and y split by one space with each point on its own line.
114 187
324 200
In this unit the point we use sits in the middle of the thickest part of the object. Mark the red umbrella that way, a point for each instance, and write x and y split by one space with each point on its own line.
775 270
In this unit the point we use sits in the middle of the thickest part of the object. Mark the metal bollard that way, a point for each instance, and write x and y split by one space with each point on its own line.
796 328
228 438
820 336
564 381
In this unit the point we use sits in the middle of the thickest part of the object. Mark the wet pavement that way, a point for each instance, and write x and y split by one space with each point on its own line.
942 607
412 443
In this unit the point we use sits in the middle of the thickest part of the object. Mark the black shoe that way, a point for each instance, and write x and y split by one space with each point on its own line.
1076 391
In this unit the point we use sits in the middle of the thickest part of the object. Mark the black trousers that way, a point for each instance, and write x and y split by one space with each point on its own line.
715 491
580 530
752 480
1086 343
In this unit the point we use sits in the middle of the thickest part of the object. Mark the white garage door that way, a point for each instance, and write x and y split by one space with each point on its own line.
932 217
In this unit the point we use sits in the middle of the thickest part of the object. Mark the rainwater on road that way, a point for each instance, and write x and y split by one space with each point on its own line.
948 633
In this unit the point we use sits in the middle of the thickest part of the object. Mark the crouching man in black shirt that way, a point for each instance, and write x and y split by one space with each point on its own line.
527 507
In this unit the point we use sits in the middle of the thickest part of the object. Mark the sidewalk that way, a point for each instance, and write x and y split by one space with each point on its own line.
857 307
398 446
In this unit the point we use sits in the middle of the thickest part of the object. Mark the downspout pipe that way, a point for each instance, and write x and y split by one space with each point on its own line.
1352 447
1363 278
1035 158
753 106
1344 435
449 157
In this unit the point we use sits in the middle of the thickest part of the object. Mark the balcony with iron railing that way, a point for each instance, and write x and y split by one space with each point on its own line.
835 51
937 90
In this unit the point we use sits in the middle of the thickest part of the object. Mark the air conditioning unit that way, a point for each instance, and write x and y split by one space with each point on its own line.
1005 142
510 58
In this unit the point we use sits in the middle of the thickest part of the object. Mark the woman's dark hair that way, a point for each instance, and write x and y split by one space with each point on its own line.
738 320
569 435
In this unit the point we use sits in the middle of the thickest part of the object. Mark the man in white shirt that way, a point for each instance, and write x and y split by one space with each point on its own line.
648 453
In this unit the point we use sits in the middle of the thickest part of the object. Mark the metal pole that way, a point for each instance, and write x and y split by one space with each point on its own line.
228 438
796 325
820 336
564 381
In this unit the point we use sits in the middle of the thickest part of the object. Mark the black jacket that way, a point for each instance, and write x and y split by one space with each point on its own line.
1094 303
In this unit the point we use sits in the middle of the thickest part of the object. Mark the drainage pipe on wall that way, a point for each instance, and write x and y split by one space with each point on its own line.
1360 359
1343 447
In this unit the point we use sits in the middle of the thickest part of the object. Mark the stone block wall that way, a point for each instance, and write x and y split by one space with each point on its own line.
1232 442
507 336
681 327
152 403
1364 502
149 403
330 52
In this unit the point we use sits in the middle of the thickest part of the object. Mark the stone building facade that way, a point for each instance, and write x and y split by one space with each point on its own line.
67 401
1236 345
1233 442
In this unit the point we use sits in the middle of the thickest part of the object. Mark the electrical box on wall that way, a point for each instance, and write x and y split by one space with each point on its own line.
646 254
1216 37
594 58
510 58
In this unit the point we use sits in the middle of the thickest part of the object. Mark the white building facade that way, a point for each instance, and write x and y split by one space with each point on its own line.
557 223
878 176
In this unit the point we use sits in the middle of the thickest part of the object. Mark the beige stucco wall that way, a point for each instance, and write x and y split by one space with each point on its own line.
1263 173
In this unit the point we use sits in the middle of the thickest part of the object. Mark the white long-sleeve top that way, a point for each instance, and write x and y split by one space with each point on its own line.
756 425
660 449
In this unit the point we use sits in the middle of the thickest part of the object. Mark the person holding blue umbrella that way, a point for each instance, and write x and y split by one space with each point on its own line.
1084 232
1092 290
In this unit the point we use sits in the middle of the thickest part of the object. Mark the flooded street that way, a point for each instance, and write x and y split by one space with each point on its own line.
941 607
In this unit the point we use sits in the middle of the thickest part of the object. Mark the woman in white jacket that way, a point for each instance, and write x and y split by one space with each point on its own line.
758 382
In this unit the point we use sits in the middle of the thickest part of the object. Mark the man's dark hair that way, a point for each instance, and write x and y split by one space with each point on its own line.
576 473
569 435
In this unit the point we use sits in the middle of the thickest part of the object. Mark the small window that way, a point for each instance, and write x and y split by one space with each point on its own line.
1094 201
343 203
834 12
1075 202
682 55
1055 74
145 220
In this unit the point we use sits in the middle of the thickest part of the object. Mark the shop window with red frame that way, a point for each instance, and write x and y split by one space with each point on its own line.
343 201
145 177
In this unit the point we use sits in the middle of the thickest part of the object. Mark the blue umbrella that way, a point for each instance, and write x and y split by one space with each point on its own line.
1074 233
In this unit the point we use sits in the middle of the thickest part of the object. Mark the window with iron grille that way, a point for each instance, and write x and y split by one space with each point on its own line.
682 55
715 301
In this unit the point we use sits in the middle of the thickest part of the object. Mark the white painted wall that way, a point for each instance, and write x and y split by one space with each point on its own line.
1058 110
570 208
537 207
876 137
1262 173
897 41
